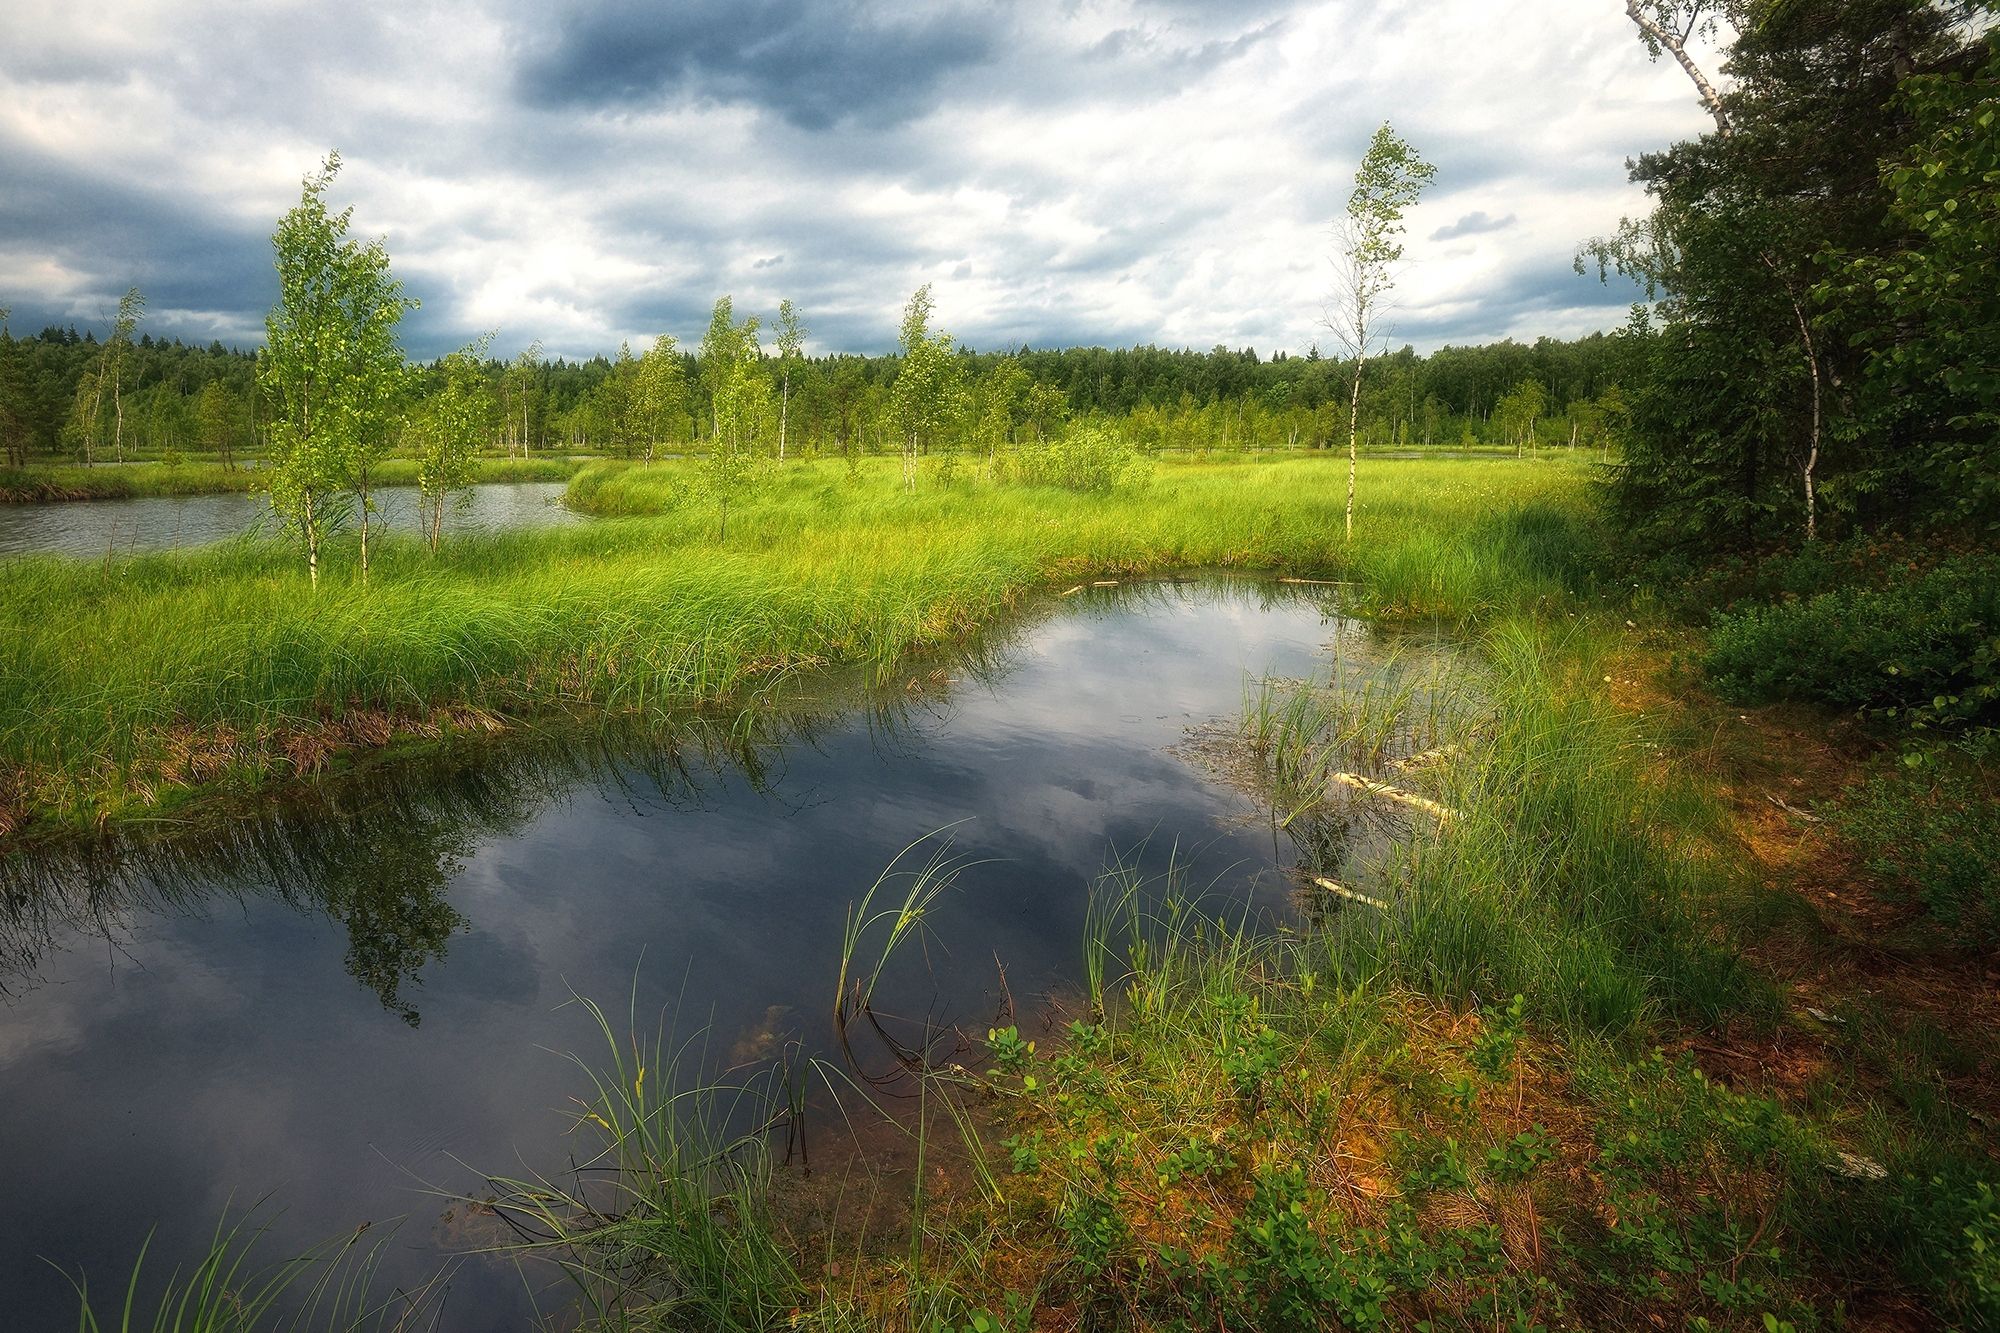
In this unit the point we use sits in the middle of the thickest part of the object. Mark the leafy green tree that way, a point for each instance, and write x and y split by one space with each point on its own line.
614 399
1931 339
216 421
732 368
928 397
331 368
1748 421
521 395
1048 409
791 338
659 394
1518 410
447 429
16 394
118 359
847 396
1369 235
1003 399
716 359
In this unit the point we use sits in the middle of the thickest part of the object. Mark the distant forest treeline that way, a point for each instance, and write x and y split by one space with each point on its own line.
67 396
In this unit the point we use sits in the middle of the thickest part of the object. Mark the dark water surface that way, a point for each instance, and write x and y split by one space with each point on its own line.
157 522
339 1004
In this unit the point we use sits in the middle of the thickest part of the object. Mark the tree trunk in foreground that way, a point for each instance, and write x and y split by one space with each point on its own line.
1353 437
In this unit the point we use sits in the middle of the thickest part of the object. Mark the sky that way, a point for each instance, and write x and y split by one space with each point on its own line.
1062 172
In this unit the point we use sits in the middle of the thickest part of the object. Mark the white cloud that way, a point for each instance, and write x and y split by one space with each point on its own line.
1067 171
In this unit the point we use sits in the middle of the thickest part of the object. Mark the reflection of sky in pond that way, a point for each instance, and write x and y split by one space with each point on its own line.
155 522
216 1046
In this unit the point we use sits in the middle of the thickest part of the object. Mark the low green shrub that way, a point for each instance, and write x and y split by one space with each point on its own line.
1083 458
1933 833
1926 648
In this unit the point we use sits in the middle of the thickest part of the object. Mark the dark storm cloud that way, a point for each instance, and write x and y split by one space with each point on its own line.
814 64
1521 294
128 234
1474 223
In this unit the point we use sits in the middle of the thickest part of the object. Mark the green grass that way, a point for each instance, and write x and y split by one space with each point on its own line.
1349 1124
1437 1103
44 483
125 684
131 481
1553 868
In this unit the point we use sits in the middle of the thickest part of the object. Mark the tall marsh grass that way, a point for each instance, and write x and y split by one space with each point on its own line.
1547 853
126 681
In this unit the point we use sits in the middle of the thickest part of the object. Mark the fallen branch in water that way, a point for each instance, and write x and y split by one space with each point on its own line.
1426 757
1318 583
1071 592
1444 813
1353 896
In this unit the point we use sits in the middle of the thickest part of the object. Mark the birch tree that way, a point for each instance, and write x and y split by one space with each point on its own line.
659 394
519 387
447 429
1518 410
118 351
331 367
791 338
732 367
1668 26
216 421
927 398
1369 245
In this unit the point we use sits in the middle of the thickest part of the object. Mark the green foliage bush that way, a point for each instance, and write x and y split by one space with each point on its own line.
1083 458
1934 834
1927 647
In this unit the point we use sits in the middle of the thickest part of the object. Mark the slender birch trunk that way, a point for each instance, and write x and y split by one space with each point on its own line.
1353 439
1711 100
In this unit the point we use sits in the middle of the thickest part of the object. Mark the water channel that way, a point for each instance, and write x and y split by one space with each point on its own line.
335 1004
94 528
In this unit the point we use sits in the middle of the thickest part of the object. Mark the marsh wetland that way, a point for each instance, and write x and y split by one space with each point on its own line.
355 997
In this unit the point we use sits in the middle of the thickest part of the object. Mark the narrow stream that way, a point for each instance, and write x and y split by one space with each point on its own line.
340 1003
91 528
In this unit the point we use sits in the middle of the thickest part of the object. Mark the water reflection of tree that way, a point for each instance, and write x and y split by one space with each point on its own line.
377 851
392 901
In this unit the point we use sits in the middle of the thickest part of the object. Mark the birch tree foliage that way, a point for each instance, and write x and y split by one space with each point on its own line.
928 396
447 429
521 391
791 342
659 394
1518 410
117 353
1369 243
215 422
331 367
732 369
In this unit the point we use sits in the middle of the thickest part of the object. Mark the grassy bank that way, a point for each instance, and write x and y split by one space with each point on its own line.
1497 1083
1583 1050
215 670
41 484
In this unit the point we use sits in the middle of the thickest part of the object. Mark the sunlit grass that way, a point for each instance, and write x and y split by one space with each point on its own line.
123 681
